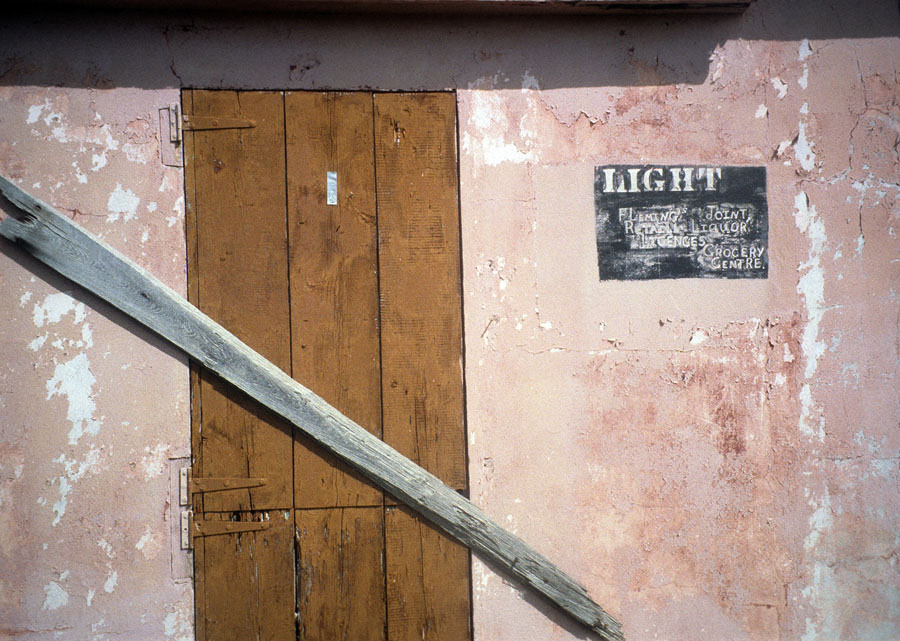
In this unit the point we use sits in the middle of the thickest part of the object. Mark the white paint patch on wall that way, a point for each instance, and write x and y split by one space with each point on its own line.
780 87
812 287
121 202
34 112
154 463
73 471
55 596
529 82
75 381
145 538
803 149
812 284
106 140
54 307
111 581
484 137
178 625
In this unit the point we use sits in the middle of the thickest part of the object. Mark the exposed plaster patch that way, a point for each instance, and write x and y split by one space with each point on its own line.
24 298
177 625
75 381
104 545
136 153
178 208
55 596
74 471
488 123
34 112
812 287
780 87
699 337
79 175
762 111
804 51
145 538
821 522
155 462
54 307
111 582
481 577
812 284
105 138
529 82
803 149
121 202
821 593
87 336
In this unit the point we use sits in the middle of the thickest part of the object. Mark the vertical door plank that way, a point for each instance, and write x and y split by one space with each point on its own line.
422 385
418 229
242 282
340 580
334 281
427 580
248 591
192 286
237 273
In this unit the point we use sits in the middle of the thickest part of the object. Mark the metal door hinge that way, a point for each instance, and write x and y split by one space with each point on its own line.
205 123
170 152
192 527
188 486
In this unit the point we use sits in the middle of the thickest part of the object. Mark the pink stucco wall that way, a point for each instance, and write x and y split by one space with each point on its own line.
714 459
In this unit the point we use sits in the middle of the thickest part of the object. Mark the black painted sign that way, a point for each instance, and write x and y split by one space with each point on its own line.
661 221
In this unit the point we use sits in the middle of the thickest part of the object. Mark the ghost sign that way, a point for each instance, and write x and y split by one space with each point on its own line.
662 221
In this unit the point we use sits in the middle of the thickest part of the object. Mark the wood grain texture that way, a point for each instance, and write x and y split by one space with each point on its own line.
248 579
334 281
340 574
62 245
422 385
427 580
418 236
241 280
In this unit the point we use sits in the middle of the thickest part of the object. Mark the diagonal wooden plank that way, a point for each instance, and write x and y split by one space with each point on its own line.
61 244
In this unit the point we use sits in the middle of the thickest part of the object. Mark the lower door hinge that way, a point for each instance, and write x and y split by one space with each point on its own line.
191 527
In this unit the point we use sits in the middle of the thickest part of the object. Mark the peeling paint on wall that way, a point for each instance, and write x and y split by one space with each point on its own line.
713 460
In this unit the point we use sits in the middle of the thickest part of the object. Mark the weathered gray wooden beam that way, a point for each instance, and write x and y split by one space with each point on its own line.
74 253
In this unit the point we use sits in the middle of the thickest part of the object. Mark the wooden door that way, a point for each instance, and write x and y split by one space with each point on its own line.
323 230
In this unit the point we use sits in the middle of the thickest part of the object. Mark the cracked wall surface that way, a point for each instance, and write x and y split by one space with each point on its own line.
713 459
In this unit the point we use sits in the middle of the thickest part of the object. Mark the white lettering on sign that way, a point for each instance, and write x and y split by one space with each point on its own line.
636 179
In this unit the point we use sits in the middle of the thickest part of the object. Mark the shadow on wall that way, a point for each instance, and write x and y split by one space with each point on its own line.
105 49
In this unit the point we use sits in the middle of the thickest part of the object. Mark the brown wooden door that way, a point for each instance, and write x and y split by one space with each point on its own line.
355 291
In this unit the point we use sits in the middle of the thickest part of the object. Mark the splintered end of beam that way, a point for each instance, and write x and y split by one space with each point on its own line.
608 630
